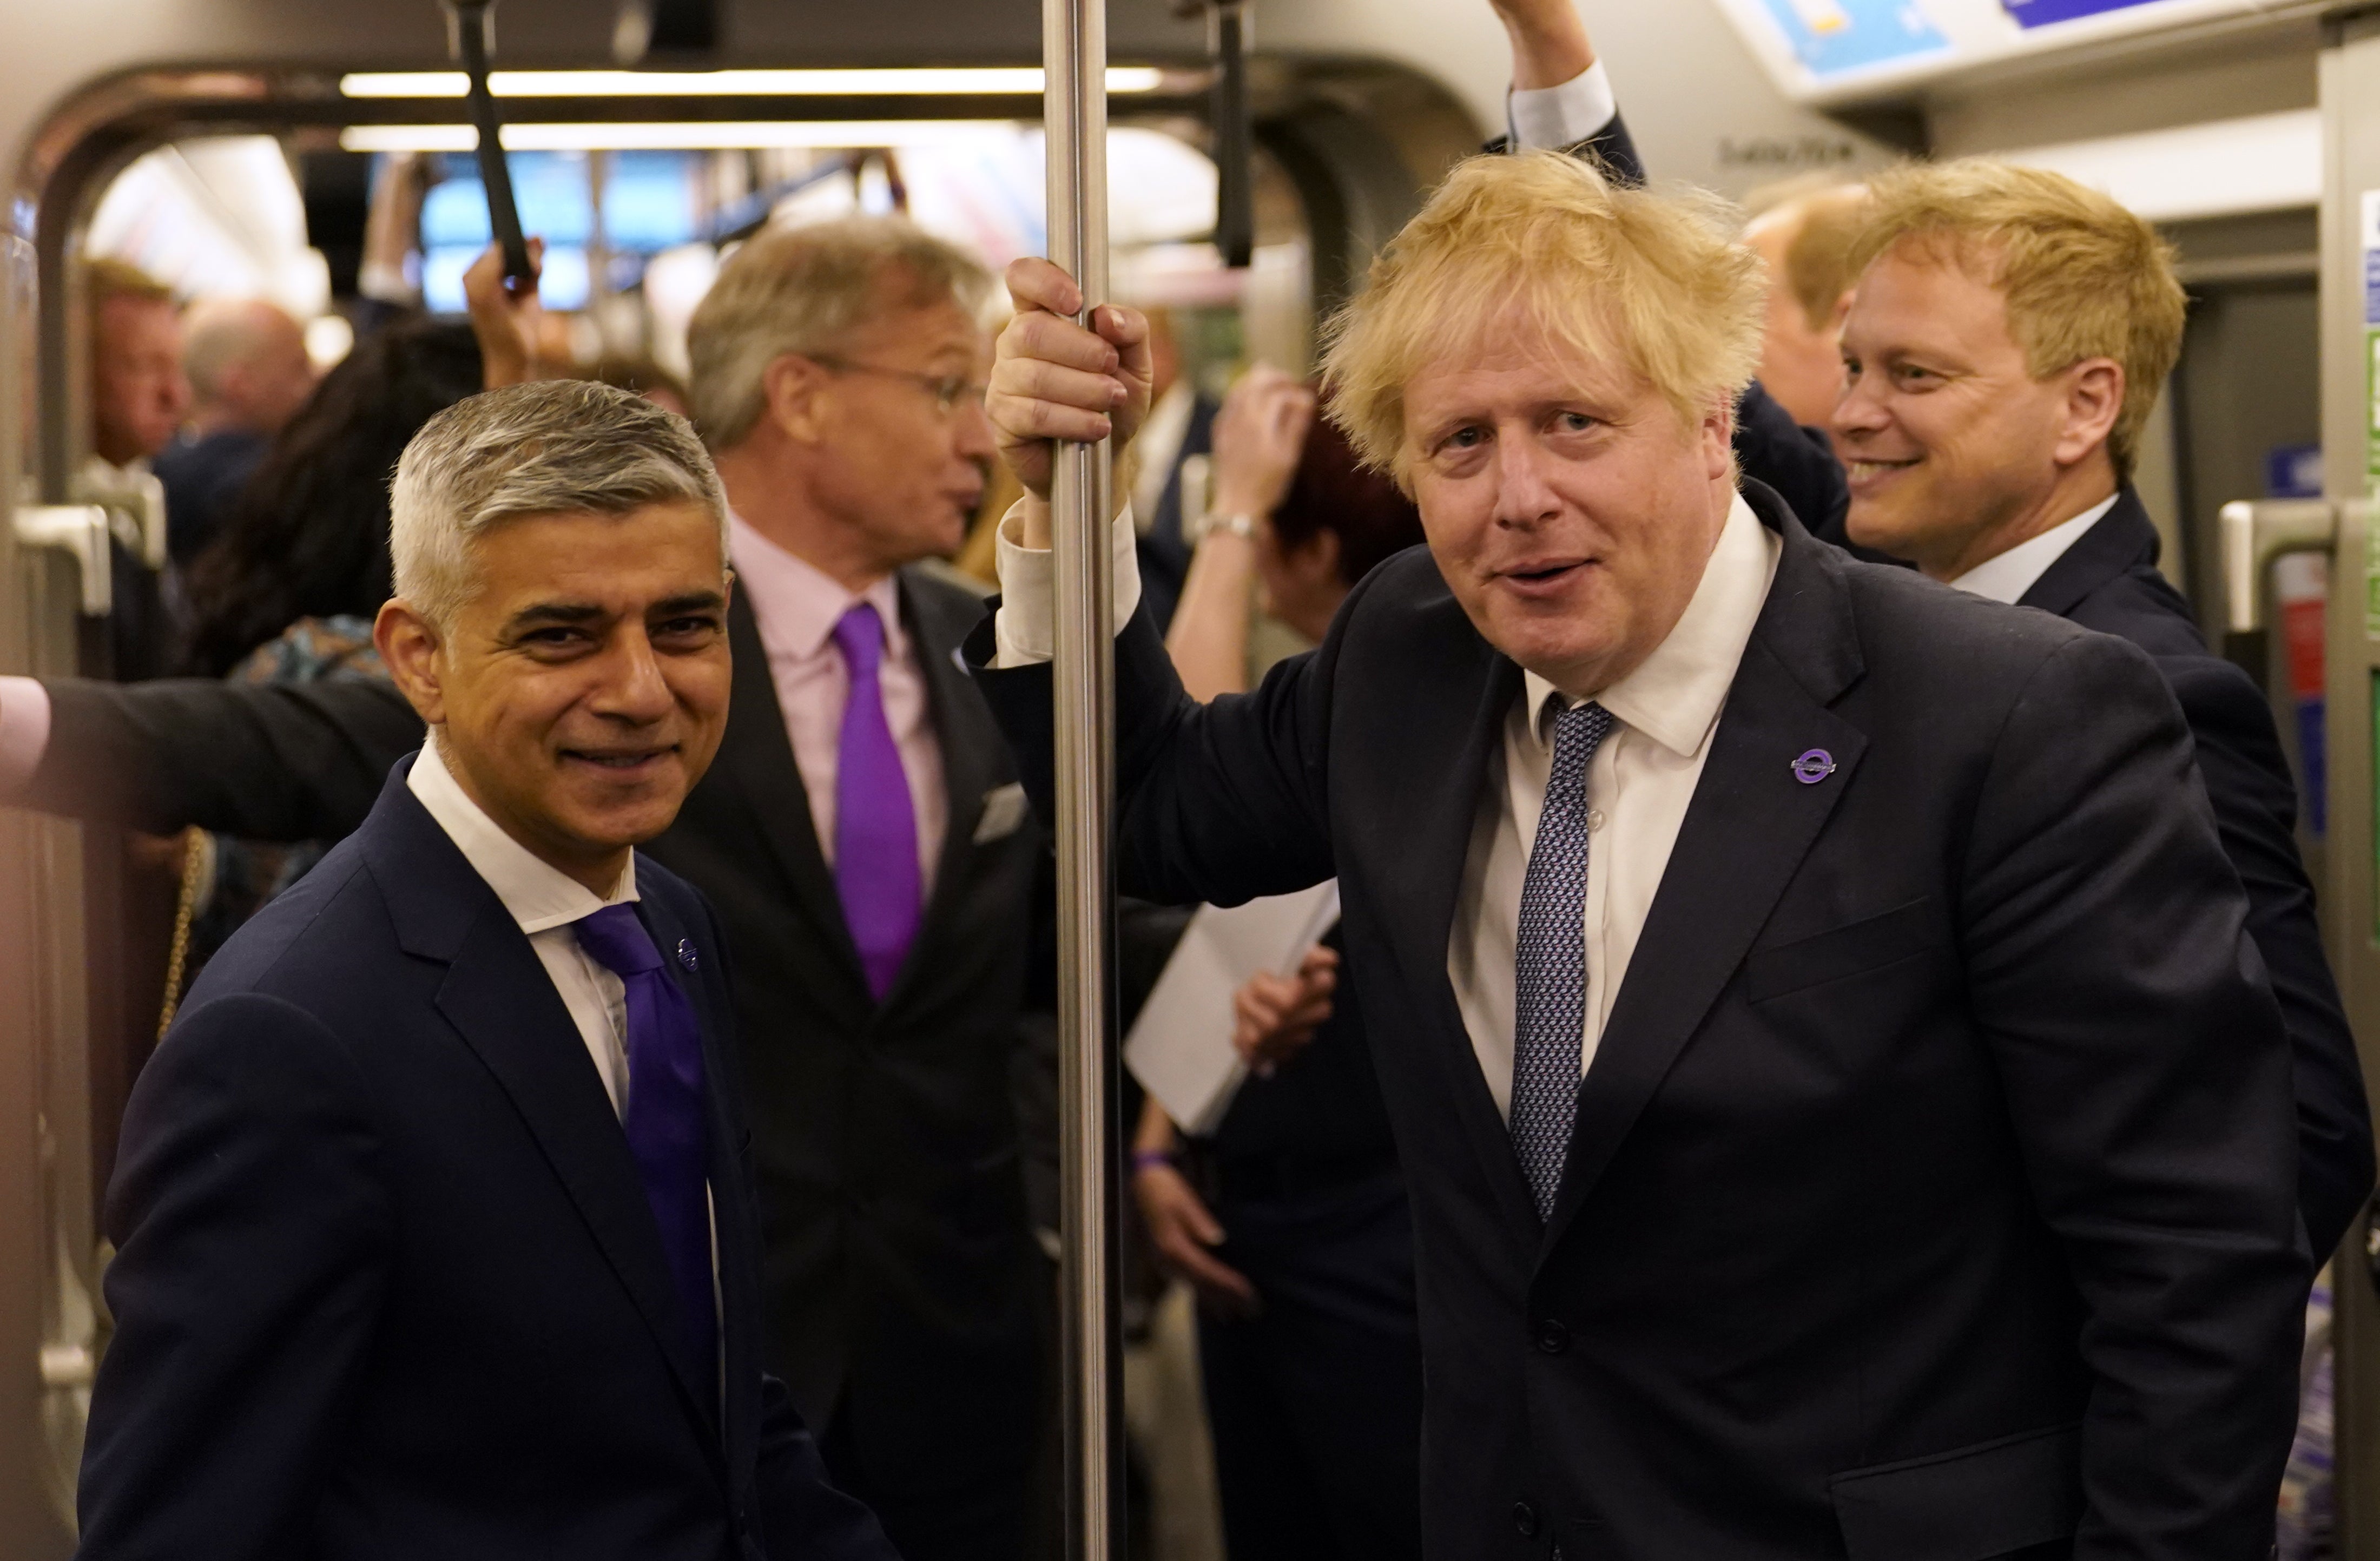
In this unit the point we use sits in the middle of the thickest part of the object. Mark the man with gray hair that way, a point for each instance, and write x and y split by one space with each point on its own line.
878 870
434 1222
249 370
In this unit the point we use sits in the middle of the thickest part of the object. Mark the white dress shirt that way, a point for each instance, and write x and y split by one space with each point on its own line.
1638 785
1559 117
2008 577
796 605
544 900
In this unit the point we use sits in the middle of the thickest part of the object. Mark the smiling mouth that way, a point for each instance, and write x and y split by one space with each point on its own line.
1864 470
618 763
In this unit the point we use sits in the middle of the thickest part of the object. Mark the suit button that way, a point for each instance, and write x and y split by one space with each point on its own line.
1552 1338
1525 1520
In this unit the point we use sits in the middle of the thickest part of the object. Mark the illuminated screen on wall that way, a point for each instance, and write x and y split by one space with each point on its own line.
648 205
2041 13
1837 37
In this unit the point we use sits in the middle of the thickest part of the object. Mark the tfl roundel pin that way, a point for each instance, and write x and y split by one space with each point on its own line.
686 955
1814 766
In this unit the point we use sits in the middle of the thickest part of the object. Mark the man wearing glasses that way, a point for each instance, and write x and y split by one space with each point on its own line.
875 867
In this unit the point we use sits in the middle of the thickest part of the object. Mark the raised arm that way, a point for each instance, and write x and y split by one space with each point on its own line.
1219 802
1561 99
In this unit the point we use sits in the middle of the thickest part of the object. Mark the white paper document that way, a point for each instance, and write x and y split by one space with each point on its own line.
1180 1048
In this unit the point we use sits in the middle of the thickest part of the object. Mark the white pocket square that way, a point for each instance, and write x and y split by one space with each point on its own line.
1004 808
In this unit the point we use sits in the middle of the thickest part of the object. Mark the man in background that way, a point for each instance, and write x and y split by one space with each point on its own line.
248 373
2007 342
139 397
1803 234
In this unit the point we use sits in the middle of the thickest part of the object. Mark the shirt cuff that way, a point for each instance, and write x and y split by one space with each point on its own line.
1556 118
1021 632
24 732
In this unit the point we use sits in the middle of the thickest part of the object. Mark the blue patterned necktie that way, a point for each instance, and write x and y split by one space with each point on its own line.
1550 963
665 1121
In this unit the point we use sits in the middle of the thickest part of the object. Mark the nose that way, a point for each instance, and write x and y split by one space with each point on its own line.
971 434
1524 495
634 687
1859 409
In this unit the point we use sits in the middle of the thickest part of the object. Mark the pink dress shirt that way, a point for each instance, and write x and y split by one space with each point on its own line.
796 606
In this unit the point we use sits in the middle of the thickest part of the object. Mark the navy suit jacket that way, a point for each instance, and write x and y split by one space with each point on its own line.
1933 1185
387 1282
2108 581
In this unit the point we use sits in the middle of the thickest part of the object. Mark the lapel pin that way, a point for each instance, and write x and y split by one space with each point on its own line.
1814 766
686 955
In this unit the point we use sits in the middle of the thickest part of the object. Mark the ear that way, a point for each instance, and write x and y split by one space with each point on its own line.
409 645
798 392
1717 437
2094 398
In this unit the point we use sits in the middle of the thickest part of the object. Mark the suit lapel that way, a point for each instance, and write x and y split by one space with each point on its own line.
968 742
1427 811
500 999
2123 540
1751 822
756 758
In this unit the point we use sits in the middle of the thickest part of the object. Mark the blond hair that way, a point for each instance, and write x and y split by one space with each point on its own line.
105 277
1612 272
802 290
1826 218
2082 278
547 448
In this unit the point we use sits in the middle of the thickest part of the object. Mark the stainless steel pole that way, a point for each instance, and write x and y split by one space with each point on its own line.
1074 56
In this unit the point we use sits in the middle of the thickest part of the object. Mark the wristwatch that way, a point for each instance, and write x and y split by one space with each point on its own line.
1242 525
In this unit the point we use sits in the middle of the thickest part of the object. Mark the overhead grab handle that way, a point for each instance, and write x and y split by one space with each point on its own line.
470 33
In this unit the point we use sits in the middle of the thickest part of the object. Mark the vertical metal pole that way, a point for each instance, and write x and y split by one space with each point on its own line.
1074 55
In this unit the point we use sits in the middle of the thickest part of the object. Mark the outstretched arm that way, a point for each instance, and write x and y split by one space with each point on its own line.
267 762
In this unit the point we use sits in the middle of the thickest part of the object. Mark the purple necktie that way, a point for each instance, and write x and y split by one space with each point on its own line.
875 823
665 1118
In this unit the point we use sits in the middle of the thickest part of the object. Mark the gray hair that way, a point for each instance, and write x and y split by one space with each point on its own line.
549 447
803 290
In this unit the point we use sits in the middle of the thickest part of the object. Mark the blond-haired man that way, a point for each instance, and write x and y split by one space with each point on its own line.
1842 1113
1804 233
2006 345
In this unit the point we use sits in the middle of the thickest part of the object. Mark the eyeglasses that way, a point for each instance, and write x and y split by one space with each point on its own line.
948 390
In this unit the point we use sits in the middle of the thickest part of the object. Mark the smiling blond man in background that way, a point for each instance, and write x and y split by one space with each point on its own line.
2004 349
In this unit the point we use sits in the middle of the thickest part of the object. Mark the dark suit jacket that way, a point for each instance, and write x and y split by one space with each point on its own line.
388 1284
900 1263
1932 1191
899 1259
2109 582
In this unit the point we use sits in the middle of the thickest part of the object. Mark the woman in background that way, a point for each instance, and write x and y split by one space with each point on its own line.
1291 1220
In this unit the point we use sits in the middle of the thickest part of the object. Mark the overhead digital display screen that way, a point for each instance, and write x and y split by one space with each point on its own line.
2042 13
1832 52
1835 37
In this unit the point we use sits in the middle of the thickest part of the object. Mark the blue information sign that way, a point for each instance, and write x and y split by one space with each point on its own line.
2041 13
1835 38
